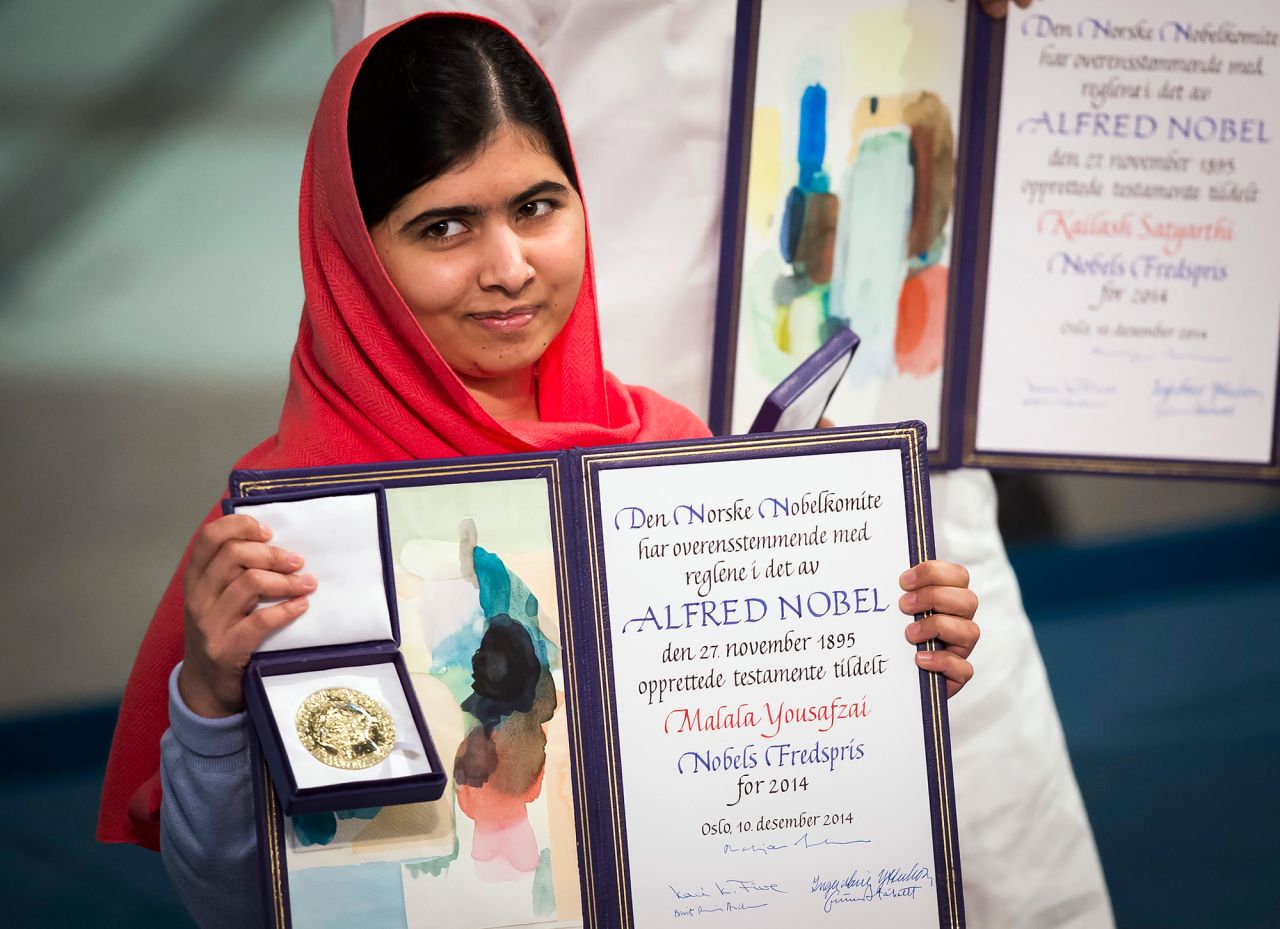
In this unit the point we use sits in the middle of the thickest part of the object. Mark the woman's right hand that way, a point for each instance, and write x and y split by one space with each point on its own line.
232 568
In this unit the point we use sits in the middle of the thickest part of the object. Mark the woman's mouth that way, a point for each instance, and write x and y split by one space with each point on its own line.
506 320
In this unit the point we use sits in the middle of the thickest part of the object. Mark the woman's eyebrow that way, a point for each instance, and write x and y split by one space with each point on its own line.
435 214
542 187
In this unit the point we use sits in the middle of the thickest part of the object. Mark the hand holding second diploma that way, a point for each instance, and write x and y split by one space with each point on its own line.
232 569
999 9
941 590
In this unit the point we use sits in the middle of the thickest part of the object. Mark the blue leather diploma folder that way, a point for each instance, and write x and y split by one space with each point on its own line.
661 681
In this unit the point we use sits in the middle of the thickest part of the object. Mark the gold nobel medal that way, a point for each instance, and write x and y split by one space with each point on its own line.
345 728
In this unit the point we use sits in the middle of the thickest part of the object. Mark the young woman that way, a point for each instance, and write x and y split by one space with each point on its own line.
654 177
450 311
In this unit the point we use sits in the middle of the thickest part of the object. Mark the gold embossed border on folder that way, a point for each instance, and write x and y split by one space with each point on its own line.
909 440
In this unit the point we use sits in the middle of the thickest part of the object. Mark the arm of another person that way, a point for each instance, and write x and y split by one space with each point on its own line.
207 837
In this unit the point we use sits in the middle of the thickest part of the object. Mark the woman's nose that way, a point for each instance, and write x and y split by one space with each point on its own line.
505 266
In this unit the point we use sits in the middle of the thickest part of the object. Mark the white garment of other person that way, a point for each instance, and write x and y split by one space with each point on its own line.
645 87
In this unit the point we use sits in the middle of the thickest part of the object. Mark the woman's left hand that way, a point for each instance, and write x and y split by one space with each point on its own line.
942 589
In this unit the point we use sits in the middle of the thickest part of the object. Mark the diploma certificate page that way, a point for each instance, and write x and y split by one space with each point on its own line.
769 707
1133 290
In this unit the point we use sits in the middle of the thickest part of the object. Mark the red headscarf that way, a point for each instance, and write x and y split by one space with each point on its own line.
366 385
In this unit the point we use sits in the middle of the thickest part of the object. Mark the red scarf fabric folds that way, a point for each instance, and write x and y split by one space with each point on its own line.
366 385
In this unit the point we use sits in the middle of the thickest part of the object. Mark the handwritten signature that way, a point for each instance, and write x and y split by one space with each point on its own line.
1171 354
1189 397
715 897
726 888
804 842
728 907
866 886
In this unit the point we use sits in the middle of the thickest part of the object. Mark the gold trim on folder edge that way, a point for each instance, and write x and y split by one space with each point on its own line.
619 849
303 482
570 666
273 848
1209 470
935 703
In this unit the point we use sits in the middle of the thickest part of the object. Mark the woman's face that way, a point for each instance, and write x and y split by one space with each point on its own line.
489 257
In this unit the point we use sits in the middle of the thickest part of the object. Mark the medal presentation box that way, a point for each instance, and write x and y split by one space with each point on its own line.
329 695
678 669
802 397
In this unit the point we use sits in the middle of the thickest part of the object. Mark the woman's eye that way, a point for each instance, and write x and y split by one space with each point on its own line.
444 229
536 208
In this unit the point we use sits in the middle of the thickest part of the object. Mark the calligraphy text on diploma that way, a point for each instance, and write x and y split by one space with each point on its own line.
768 703
1133 298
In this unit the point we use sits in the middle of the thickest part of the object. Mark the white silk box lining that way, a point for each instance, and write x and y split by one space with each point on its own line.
338 538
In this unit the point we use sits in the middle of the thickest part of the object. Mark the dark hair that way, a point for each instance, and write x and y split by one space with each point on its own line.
430 94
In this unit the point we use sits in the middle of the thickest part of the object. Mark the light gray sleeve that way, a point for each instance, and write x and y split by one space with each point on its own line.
208 840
